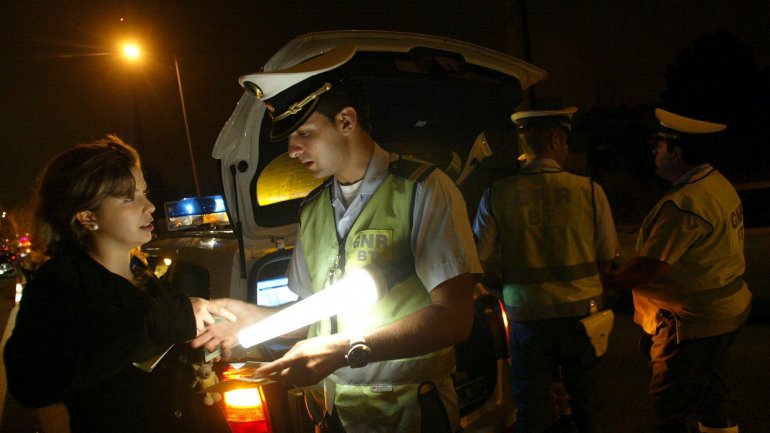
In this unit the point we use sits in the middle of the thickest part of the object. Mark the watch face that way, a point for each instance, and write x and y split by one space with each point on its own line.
358 356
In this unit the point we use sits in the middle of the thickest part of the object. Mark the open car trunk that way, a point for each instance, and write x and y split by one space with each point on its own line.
431 98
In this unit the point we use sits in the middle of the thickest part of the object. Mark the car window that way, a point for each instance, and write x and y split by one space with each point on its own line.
284 179
267 281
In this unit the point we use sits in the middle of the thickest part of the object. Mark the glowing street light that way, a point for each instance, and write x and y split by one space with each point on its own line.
131 51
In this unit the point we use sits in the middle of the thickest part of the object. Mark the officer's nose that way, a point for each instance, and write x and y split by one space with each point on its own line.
294 150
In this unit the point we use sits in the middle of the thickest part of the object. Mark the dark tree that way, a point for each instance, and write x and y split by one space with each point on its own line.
620 159
718 79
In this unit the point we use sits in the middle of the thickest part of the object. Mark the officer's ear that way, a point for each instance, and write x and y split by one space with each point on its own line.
556 138
676 152
347 119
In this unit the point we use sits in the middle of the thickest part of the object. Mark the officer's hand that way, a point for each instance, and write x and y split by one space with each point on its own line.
309 361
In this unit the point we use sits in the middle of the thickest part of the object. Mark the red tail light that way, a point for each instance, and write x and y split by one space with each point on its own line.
505 322
246 409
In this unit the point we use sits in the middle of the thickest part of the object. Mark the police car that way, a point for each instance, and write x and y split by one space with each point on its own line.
437 99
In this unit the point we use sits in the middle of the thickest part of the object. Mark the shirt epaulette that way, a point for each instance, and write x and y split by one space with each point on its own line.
314 193
411 168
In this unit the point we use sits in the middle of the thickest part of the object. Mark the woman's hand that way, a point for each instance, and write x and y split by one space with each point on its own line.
205 312
224 333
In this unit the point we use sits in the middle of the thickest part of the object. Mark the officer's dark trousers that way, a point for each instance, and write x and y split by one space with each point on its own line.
689 379
538 348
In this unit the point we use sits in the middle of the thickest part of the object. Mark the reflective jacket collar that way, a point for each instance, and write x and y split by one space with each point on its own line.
695 174
540 165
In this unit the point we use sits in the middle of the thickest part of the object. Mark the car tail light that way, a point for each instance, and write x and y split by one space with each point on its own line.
505 321
246 410
245 406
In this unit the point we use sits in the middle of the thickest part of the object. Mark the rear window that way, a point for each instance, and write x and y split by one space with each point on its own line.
284 179
426 103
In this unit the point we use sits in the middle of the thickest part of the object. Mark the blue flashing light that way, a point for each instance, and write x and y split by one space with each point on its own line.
219 204
195 206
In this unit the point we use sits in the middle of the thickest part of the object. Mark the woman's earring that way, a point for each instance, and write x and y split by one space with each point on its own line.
95 227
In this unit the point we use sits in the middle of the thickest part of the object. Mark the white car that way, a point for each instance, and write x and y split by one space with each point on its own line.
441 100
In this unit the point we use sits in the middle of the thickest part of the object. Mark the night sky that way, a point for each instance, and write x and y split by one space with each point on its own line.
62 83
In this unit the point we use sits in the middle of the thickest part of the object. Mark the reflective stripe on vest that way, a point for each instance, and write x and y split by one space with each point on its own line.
718 293
546 229
551 273
554 299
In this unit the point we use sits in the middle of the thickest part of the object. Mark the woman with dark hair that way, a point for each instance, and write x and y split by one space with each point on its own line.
95 315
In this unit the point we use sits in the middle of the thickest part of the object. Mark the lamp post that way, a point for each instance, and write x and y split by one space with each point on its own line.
187 129
132 53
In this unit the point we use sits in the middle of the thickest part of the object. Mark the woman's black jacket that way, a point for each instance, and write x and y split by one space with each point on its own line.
78 332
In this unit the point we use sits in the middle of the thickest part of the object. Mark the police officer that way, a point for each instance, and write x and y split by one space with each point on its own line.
686 278
369 378
554 234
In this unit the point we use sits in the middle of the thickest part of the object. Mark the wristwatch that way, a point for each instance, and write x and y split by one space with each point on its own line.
358 354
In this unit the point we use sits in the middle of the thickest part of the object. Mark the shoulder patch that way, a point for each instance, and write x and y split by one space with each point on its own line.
411 168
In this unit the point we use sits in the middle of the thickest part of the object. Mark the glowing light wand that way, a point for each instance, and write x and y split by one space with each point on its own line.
355 292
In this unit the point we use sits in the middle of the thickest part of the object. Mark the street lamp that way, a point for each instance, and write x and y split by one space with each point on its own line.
133 54
131 51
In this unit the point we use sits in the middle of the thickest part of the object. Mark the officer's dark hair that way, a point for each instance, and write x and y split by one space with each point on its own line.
535 138
347 93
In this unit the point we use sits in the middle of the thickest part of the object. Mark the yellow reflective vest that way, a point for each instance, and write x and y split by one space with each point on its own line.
381 396
705 286
546 229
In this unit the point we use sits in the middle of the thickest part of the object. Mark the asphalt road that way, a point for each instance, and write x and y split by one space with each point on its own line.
624 384
627 408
